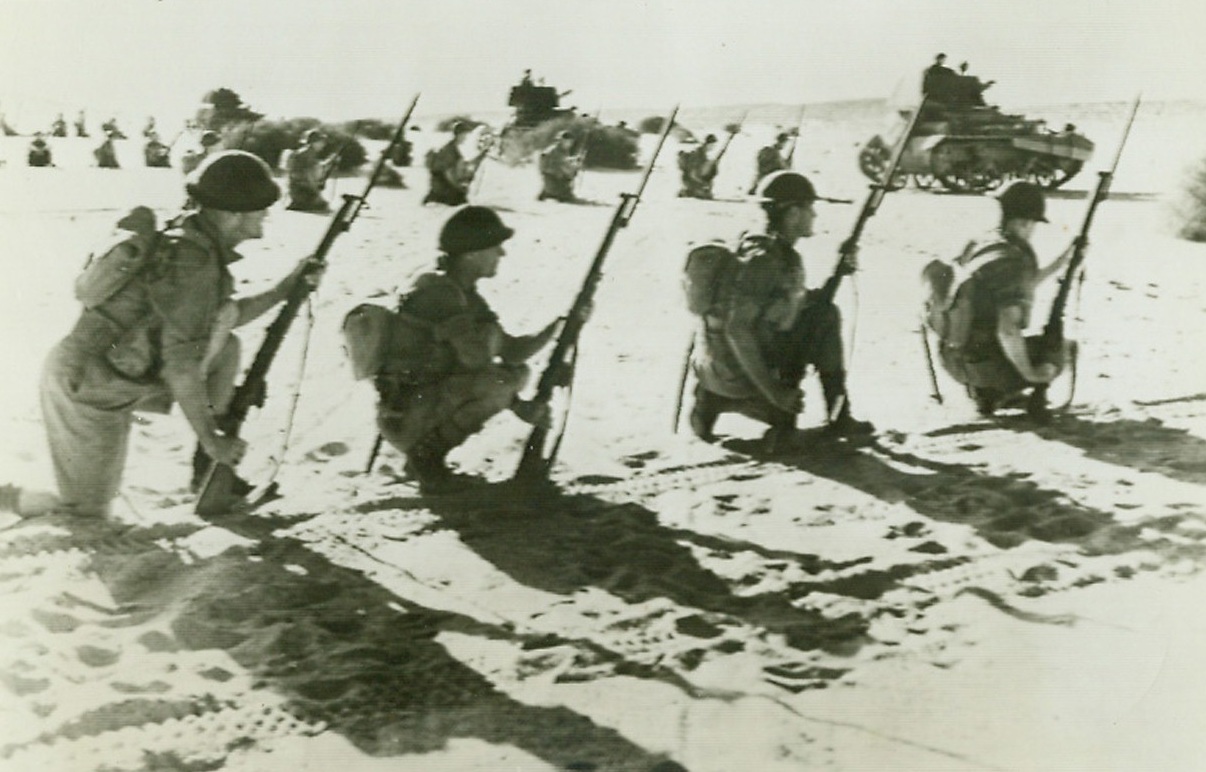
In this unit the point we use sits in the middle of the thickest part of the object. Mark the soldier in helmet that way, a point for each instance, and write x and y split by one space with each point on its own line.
767 328
161 335
770 159
193 158
451 173
39 152
470 369
155 153
106 153
998 363
698 170
559 166
308 174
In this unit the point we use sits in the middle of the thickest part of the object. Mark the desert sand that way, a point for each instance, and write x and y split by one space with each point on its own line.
964 594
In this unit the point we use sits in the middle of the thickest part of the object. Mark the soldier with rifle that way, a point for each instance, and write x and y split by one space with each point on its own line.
771 159
161 334
221 489
308 172
471 369
559 167
698 171
452 173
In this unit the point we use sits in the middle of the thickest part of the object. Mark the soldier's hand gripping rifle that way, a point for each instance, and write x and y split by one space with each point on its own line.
846 253
710 168
1052 344
216 495
539 452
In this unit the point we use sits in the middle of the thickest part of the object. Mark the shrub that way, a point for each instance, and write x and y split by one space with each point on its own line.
607 147
269 140
654 123
1192 211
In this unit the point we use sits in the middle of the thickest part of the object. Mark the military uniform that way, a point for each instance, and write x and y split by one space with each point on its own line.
177 314
769 160
480 369
155 154
449 179
558 168
39 153
106 155
306 173
698 173
791 330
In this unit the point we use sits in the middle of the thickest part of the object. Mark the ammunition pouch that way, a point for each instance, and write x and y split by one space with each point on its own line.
127 350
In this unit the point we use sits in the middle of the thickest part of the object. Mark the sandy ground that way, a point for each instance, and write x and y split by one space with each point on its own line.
962 595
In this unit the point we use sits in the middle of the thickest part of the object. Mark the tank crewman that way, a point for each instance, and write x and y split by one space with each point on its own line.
450 174
39 152
751 355
155 153
192 158
938 81
559 165
59 127
307 173
164 336
770 159
969 90
475 369
698 171
106 153
81 130
999 364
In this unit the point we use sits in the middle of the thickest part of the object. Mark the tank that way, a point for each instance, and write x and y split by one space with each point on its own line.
533 105
977 148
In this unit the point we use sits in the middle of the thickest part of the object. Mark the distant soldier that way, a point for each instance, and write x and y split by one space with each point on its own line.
149 129
192 157
473 370
766 327
59 127
307 170
155 153
450 173
106 154
998 275
559 166
770 159
938 81
81 130
39 152
110 127
969 90
698 170
160 335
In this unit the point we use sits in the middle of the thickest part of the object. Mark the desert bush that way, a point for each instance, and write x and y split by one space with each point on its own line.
1191 212
446 124
607 147
654 123
270 139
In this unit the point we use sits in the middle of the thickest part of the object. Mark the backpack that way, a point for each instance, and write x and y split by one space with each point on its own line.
950 308
711 269
107 272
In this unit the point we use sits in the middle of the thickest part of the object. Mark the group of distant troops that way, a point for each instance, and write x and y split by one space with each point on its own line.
166 336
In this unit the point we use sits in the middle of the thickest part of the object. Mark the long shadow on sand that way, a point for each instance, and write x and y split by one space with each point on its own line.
341 649
1147 446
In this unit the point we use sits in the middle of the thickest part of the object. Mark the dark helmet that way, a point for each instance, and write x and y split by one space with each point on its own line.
782 136
471 228
1023 200
209 138
710 139
313 135
233 181
786 187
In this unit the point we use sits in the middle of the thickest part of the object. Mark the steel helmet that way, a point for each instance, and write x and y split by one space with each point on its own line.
233 181
471 228
1023 200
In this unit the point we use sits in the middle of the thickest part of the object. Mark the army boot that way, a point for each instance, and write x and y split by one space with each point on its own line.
1037 408
842 424
201 464
426 465
704 414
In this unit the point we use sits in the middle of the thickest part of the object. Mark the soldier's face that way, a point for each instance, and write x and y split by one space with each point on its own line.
251 225
798 221
484 262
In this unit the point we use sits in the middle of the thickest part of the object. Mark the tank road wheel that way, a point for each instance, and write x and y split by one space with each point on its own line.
924 180
1041 173
873 159
985 178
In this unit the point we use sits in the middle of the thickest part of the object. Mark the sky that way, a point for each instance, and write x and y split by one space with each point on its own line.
342 59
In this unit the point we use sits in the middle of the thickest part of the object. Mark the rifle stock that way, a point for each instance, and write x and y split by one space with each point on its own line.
1053 330
216 495
870 207
535 463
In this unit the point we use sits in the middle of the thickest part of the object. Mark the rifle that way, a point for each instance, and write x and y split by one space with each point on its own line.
795 138
216 496
538 455
1053 331
485 142
712 167
870 206
331 161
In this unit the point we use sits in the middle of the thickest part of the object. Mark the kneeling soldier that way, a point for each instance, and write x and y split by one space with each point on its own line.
472 369
161 334
767 328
